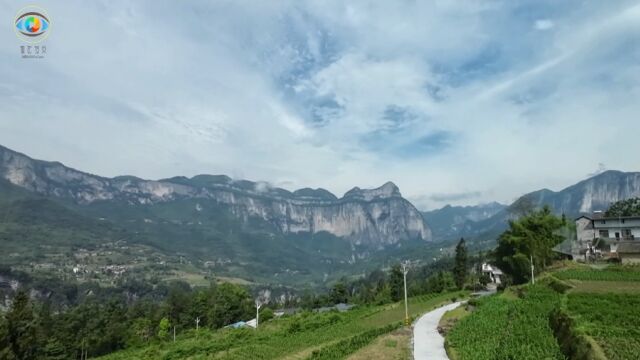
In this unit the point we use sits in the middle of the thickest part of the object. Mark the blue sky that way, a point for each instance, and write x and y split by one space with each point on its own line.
455 102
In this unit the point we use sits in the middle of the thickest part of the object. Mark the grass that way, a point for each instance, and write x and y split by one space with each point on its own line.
610 273
597 287
451 317
329 335
393 346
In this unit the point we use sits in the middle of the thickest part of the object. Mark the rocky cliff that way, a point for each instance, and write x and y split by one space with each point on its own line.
375 217
594 193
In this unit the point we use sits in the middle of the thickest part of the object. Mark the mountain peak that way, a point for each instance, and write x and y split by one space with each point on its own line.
387 190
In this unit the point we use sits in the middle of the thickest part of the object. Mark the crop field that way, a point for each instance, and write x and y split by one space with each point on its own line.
613 320
627 287
612 273
304 336
503 328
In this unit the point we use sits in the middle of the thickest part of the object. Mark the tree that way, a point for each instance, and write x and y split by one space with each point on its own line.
230 303
54 350
339 293
396 282
21 328
628 207
266 314
140 332
531 236
460 267
164 328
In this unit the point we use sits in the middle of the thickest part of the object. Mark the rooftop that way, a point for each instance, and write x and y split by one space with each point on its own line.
602 217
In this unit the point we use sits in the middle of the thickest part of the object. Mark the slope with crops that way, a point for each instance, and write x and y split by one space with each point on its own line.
307 335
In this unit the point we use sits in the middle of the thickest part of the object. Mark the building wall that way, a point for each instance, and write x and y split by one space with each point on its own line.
614 226
584 230
630 258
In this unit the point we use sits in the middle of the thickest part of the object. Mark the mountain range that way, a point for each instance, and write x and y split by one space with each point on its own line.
55 219
228 226
487 221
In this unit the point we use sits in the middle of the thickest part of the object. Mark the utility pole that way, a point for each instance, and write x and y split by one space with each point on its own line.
197 325
405 269
533 280
174 334
258 306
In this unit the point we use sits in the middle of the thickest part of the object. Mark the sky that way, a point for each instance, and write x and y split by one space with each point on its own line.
457 103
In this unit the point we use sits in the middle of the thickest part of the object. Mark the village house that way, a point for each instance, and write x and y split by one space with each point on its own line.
493 272
617 233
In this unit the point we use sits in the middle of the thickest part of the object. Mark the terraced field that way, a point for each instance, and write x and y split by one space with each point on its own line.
304 336
613 320
504 328
601 307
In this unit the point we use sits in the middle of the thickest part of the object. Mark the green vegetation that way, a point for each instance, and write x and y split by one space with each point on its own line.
531 236
617 273
502 328
348 346
613 320
589 314
575 312
307 335
392 346
460 268
102 322
628 207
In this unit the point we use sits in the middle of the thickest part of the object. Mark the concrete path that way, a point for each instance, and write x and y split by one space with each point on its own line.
428 344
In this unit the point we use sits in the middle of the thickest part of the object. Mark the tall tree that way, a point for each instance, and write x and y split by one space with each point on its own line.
396 282
339 293
460 267
531 236
21 328
628 207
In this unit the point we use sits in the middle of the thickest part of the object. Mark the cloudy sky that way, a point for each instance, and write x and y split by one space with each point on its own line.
456 102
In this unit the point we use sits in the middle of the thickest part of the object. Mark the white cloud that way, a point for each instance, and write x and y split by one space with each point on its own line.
438 97
543 24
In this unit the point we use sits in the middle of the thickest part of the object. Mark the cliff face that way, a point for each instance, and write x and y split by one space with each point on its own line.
595 193
371 217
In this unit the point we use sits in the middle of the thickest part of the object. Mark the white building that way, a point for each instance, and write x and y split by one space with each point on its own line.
623 228
494 273
614 232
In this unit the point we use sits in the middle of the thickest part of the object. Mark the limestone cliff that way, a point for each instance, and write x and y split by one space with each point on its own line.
374 217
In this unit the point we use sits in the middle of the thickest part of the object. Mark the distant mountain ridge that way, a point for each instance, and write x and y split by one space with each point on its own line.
595 193
375 217
451 221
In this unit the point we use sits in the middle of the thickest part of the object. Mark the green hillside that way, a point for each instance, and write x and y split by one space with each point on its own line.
590 314
307 335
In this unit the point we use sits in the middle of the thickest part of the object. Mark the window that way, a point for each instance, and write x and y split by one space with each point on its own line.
626 233
603 233
603 222
617 235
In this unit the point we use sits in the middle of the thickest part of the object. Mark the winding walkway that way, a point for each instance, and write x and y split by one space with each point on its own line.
428 344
